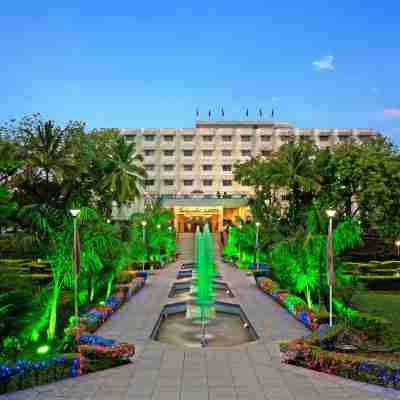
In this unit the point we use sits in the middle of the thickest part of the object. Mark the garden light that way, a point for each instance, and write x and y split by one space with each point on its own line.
144 223
43 349
397 243
330 212
75 212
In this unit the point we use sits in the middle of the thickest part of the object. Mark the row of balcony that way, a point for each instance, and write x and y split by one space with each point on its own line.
209 135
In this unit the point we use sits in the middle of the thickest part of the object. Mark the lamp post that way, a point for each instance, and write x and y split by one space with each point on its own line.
330 213
257 242
76 252
144 223
240 261
397 244
159 247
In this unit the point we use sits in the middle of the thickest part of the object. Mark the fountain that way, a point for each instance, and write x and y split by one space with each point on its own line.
201 320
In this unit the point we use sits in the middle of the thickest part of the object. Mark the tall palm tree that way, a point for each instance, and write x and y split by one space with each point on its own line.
125 178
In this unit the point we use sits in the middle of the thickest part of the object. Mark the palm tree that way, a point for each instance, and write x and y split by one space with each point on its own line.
125 177
293 171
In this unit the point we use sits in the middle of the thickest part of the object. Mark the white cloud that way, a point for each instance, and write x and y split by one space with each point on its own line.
326 63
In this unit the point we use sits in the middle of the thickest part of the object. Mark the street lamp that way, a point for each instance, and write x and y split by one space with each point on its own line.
159 247
144 223
240 259
330 213
76 252
257 242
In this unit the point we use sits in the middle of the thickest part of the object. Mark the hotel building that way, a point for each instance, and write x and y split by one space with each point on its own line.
192 168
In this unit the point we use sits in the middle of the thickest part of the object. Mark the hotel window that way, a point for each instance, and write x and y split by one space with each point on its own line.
207 167
149 138
207 182
149 167
149 152
245 138
168 182
187 138
265 153
323 138
168 138
207 138
246 153
130 137
169 167
207 153
188 167
265 138
226 182
188 182
226 153
227 138
150 182
227 167
188 153
169 153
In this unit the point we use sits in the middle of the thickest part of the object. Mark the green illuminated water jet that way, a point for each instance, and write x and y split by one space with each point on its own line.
202 309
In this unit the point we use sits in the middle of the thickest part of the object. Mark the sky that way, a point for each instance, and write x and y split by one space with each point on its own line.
152 64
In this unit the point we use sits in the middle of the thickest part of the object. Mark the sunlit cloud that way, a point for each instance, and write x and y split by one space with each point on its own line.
326 63
391 112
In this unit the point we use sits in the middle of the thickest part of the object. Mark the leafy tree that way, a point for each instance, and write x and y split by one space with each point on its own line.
299 263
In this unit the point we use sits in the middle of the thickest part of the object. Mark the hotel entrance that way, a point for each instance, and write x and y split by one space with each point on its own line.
189 223
187 219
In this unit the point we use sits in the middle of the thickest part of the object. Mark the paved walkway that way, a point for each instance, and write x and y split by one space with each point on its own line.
163 372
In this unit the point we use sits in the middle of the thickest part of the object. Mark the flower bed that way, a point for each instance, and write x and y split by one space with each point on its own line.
95 317
94 353
24 374
352 366
101 353
293 304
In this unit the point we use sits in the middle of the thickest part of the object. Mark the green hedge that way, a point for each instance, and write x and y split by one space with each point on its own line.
381 282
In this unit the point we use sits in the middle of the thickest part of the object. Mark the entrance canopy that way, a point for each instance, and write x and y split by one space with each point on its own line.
193 210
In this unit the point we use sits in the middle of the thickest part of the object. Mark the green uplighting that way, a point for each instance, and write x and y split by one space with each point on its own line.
43 349
102 303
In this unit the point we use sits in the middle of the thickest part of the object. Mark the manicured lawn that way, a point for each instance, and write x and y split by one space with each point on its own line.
381 304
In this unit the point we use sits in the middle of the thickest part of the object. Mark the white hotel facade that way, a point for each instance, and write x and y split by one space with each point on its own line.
189 166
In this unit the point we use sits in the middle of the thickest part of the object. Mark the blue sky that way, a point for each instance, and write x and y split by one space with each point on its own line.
151 64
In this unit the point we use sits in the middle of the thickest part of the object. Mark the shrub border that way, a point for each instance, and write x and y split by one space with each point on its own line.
305 352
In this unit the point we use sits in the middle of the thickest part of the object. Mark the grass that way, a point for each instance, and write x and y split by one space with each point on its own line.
380 304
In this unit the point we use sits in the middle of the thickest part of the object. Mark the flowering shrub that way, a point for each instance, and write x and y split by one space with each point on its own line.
103 353
95 317
293 304
25 373
301 353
